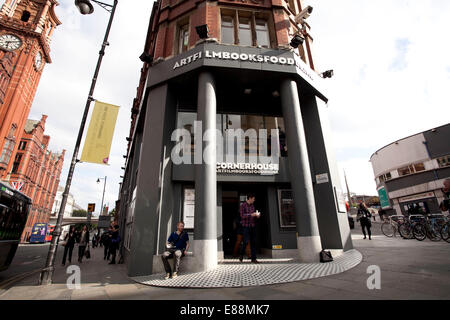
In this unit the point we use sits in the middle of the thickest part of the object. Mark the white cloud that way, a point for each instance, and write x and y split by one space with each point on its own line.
383 89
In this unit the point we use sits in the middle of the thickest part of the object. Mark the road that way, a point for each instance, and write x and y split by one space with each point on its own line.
29 257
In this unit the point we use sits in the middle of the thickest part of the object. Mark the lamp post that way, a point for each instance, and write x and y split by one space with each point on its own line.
85 7
103 197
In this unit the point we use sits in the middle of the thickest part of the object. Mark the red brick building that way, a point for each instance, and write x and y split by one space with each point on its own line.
26 27
36 170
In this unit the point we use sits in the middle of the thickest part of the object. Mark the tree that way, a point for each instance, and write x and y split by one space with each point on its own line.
112 213
79 213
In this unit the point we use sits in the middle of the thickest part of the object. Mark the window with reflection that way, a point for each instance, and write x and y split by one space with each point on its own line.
245 28
262 33
227 30
245 32
226 122
183 38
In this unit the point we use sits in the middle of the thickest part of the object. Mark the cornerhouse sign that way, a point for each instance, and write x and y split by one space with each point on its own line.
224 55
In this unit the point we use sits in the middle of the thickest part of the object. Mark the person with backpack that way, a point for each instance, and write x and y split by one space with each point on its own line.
177 245
364 216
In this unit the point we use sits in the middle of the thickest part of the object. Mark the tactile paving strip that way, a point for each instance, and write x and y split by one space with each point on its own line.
229 275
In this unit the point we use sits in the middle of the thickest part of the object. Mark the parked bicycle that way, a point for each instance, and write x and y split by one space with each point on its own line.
407 227
390 225
445 231
429 227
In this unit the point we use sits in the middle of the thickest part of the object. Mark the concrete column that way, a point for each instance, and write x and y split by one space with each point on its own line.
205 225
308 238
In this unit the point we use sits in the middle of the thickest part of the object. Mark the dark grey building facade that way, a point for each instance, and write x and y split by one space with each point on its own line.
231 87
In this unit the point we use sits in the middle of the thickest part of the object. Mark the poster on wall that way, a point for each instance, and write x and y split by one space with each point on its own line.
340 200
286 208
189 208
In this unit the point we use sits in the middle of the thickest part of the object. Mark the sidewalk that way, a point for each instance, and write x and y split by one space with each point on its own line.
409 270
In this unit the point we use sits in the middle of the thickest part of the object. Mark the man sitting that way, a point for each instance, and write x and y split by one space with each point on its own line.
176 245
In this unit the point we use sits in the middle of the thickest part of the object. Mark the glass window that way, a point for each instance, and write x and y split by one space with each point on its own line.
7 150
245 32
227 30
262 33
183 38
22 145
286 208
444 161
16 164
419 167
404 171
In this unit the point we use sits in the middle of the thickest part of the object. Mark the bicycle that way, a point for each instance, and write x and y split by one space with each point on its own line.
445 231
430 228
406 228
389 226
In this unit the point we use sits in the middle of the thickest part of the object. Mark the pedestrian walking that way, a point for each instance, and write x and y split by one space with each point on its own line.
106 240
364 216
114 243
83 241
177 245
248 222
69 242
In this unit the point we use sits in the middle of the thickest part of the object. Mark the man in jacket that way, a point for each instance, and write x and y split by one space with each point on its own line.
180 239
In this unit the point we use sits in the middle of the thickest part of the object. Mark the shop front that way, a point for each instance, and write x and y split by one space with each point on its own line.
221 122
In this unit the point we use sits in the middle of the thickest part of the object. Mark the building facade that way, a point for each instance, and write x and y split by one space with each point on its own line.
70 207
36 172
222 112
409 173
26 28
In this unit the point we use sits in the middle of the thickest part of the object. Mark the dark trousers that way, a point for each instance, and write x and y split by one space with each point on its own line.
81 250
106 252
69 249
249 235
366 224
112 251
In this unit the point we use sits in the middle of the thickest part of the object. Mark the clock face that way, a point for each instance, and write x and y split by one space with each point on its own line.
38 60
10 42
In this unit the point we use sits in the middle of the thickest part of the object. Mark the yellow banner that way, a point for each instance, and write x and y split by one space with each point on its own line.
100 133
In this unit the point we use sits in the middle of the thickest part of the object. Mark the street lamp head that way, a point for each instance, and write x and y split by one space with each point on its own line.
85 6
98 180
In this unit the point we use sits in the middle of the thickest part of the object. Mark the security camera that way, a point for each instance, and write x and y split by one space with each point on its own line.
304 14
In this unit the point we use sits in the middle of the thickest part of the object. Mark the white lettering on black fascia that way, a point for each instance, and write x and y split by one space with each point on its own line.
224 55
187 60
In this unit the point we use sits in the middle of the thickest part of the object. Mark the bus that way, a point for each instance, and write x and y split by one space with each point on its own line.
14 210
39 233
50 229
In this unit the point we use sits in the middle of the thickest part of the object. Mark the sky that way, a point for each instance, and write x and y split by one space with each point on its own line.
391 73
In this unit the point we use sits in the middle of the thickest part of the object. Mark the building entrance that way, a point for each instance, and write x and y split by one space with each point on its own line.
232 198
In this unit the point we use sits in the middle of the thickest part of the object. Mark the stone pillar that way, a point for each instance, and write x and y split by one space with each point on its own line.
308 238
205 224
